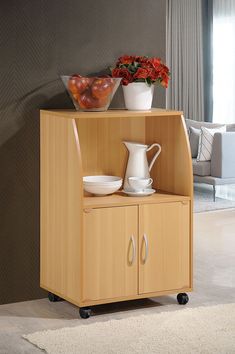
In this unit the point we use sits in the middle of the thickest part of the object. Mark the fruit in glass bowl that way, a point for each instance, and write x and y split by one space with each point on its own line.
91 93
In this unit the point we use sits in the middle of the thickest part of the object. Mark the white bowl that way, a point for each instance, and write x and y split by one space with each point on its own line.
102 179
101 185
101 190
108 184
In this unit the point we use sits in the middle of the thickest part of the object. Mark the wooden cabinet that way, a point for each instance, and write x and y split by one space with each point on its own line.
135 250
109 253
164 247
96 250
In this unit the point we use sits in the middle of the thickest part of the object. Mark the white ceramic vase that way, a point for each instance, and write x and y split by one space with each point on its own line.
138 96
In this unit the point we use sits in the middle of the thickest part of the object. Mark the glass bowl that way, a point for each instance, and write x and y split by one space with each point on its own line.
91 93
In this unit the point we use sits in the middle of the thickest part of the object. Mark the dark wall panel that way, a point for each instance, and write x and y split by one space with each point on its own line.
40 40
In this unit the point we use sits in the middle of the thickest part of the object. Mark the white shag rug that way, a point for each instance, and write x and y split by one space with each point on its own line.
206 330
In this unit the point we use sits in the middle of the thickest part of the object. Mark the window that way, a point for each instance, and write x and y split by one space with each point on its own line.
224 61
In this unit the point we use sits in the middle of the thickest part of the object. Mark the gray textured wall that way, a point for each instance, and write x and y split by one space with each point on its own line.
40 40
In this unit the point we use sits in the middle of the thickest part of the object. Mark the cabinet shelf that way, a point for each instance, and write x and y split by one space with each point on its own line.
121 199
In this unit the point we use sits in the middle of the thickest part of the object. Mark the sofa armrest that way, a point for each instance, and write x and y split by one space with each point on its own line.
223 155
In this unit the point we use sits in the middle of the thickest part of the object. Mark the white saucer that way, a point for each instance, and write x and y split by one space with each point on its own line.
141 193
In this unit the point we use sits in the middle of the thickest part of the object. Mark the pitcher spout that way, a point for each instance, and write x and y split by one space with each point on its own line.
130 145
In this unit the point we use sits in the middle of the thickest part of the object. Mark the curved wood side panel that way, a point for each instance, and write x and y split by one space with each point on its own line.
188 157
172 171
61 207
189 161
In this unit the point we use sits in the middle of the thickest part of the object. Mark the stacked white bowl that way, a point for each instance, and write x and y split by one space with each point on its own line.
102 185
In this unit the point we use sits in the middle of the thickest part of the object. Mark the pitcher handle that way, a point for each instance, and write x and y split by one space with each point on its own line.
155 156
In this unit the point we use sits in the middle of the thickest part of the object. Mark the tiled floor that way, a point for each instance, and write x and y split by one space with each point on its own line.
214 283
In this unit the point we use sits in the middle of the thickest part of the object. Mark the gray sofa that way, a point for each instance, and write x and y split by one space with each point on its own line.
221 169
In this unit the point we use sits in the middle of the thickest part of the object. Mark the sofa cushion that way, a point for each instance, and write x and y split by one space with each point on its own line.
230 127
194 135
206 142
201 168
198 125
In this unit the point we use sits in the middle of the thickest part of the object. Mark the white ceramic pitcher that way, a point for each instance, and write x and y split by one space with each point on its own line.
137 165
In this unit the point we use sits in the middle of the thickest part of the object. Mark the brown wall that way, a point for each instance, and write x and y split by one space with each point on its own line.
40 40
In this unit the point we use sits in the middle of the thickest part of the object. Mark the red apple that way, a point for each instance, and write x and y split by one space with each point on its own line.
82 83
91 80
72 83
102 87
86 101
76 96
102 102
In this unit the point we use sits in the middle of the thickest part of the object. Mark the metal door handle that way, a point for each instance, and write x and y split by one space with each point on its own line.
133 250
146 248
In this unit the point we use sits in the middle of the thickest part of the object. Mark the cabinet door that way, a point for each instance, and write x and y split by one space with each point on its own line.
109 253
164 247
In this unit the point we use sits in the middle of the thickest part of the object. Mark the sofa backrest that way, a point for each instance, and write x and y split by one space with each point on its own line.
230 127
198 125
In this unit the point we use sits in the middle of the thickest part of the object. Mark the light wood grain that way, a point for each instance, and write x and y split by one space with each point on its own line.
133 297
79 232
111 113
172 171
103 152
101 141
61 207
167 231
120 199
108 271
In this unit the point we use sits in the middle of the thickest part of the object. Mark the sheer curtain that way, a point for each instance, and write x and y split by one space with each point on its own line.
224 61
185 57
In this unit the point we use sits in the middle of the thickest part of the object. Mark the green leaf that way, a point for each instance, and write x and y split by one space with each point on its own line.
148 81
136 64
132 68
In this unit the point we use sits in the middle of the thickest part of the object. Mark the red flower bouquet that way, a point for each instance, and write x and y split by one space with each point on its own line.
132 68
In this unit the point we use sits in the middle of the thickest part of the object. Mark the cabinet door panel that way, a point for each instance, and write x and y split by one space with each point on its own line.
109 248
165 248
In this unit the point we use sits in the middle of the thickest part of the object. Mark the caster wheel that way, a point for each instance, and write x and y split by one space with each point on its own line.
54 298
84 312
182 298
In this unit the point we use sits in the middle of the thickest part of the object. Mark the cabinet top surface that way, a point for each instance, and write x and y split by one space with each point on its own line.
111 113
120 199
